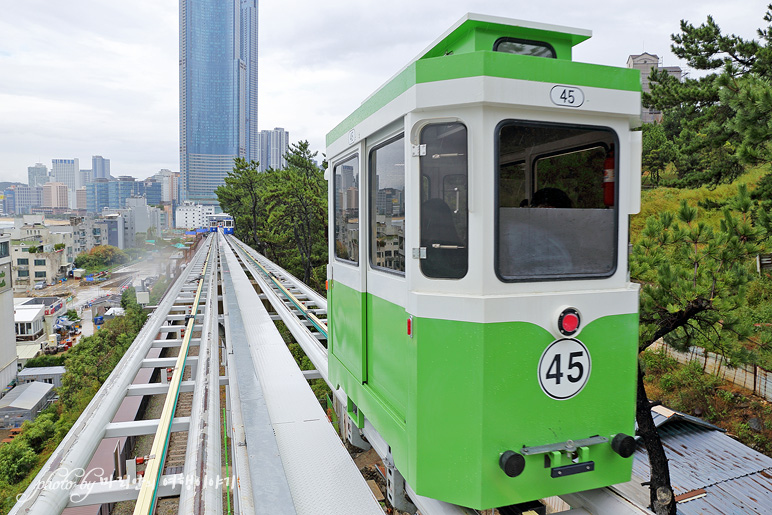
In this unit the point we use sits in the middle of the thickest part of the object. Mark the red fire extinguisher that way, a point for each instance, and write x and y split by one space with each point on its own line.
609 176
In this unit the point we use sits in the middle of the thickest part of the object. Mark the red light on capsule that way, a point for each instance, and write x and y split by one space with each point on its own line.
410 326
568 322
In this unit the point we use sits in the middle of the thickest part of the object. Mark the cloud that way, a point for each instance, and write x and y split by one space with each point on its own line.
87 77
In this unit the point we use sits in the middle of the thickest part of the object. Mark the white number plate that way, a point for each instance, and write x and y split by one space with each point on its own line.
567 96
564 368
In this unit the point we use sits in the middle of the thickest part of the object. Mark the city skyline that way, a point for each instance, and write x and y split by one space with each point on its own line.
110 85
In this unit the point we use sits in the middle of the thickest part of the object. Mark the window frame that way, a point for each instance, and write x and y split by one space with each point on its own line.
533 42
372 197
341 162
534 158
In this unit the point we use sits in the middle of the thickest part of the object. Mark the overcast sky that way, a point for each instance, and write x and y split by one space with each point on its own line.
94 77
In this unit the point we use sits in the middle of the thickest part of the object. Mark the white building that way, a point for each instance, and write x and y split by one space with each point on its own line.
192 216
273 146
52 257
87 233
29 322
169 184
66 171
7 336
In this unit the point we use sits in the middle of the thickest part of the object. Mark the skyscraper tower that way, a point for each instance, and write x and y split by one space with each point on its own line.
218 91
37 175
100 167
273 145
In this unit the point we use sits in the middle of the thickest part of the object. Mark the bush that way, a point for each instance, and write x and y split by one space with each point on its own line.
46 361
657 362
39 431
690 387
16 460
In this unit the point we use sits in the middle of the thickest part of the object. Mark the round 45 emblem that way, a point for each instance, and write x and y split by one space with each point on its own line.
564 368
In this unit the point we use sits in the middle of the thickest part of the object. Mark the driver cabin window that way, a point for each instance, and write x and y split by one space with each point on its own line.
524 47
444 213
556 202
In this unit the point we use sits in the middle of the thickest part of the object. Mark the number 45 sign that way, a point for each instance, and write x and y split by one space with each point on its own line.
564 368
567 96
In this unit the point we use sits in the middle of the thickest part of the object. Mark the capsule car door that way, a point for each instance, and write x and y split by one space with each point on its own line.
386 333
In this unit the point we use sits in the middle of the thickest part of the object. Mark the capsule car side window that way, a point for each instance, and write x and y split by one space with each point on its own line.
387 205
346 201
556 202
444 196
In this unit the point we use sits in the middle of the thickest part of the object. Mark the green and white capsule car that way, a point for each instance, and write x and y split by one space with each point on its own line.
481 312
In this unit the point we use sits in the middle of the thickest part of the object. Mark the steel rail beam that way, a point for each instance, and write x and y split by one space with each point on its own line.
315 351
104 492
161 388
146 501
305 438
312 294
143 427
243 493
294 284
49 491
203 456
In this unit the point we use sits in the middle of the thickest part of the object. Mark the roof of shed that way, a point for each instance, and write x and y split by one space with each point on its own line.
25 396
36 371
712 471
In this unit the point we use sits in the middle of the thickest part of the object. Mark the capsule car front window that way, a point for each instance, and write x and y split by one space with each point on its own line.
556 213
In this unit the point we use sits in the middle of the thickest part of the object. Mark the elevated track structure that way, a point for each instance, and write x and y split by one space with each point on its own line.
222 352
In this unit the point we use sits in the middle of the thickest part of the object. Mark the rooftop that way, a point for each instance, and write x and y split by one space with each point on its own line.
28 313
36 371
710 472
25 396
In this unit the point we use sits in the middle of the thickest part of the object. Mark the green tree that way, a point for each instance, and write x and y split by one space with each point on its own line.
721 120
242 197
693 279
282 213
657 153
101 256
296 201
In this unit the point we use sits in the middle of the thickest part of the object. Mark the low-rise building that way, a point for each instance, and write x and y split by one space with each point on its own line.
192 216
29 323
52 308
38 254
48 375
24 402
24 353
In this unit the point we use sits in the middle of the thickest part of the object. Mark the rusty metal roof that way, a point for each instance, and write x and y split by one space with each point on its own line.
715 473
